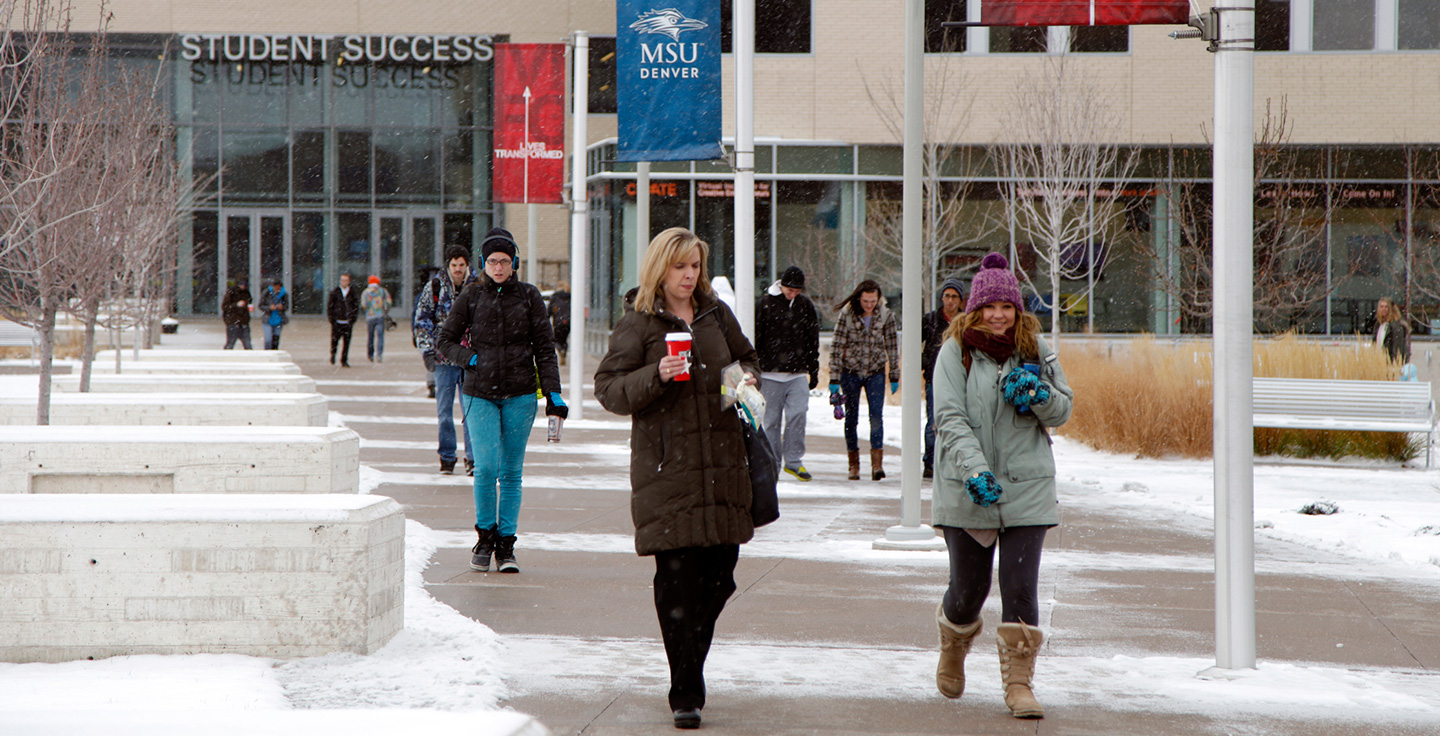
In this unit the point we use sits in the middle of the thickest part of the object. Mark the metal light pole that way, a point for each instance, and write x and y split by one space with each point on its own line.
1234 213
910 533
742 42
579 222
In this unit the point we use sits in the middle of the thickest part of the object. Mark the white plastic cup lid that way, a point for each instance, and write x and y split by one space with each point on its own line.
677 337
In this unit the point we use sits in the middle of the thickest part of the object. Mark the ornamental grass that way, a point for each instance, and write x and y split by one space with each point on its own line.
1153 399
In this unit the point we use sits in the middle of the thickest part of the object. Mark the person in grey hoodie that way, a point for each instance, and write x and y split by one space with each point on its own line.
932 334
998 391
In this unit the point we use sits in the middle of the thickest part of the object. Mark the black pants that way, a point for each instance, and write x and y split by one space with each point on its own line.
970 568
237 332
692 585
339 332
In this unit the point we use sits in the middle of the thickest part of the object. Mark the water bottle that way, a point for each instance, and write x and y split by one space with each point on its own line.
553 435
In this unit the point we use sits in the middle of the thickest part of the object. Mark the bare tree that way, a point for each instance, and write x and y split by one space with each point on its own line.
1289 230
951 236
1065 178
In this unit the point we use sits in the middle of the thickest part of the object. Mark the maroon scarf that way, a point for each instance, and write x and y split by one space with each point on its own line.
998 347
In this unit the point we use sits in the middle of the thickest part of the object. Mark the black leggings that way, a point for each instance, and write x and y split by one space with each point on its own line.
970 568
692 585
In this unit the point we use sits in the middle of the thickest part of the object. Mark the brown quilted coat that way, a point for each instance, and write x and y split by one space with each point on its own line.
690 486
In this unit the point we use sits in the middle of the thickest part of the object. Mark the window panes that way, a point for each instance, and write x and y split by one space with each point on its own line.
1344 25
1100 39
816 160
205 273
308 151
407 167
257 166
460 189
352 166
781 26
1419 24
254 93
352 247
939 39
202 83
405 94
603 76
464 97
308 83
1272 25
349 94
202 144
460 230
1018 39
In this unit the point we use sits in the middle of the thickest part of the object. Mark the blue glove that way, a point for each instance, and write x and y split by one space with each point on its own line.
894 387
984 489
834 389
1023 388
555 406
473 358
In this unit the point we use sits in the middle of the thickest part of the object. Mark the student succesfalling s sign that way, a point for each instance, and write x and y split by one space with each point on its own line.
668 67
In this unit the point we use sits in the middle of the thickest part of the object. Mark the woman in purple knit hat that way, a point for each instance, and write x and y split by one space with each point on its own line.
998 391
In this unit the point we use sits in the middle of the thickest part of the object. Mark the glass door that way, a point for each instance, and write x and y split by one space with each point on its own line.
406 253
255 249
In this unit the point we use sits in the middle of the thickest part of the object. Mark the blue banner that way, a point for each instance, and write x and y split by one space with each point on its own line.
668 72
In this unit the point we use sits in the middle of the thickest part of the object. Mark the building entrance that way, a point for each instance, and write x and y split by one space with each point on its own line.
407 250
254 246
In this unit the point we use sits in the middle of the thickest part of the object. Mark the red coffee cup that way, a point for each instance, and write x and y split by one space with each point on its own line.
678 343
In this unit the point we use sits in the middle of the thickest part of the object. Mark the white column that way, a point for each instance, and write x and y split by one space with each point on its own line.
743 44
1233 332
532 242
579 226
910 532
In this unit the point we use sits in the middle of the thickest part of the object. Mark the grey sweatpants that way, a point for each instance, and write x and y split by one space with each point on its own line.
785 405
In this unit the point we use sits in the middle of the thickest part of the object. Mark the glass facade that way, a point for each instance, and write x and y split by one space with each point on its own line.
323 155
1343 227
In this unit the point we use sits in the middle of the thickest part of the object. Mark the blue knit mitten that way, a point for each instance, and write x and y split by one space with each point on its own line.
1023 388
984 489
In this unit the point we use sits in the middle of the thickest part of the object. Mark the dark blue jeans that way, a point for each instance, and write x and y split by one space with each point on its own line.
929 423
874 385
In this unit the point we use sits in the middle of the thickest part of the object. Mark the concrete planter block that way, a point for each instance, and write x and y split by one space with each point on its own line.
214 368
187 383
190 355
107 459
261 575
215 410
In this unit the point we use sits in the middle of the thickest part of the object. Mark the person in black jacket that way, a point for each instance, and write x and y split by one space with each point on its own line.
342 309
560 317
932 334
509 344
787 337
235 311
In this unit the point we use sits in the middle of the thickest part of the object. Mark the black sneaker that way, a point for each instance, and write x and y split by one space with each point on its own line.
480 554
929 471
505 555
470 467
431 390
447 467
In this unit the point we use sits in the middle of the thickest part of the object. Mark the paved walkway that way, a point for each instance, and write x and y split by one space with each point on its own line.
827 636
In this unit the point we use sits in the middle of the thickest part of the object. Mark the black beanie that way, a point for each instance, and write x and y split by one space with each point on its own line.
793 278
498 240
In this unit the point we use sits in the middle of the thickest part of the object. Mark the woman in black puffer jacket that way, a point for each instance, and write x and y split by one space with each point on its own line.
499 331
689 477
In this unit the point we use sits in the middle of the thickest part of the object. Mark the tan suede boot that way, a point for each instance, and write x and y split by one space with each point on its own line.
1019 644
955 643
854 464
877 462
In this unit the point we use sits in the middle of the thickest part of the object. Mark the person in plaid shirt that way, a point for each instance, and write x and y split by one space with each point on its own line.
866 338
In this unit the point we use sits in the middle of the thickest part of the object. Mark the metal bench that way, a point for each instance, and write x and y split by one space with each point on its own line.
14 335
1365 406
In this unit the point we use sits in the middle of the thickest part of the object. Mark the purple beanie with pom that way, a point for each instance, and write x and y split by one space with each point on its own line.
994 283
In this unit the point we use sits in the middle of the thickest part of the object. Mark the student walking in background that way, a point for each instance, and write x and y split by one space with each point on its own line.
932 334
998 390
276 303
235 311
498 330
343 308
866 340
431 311
1391 333
689 478
560 317
787 339
375 302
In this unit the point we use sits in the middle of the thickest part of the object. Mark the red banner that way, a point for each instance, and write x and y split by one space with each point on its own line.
529 157
1084 12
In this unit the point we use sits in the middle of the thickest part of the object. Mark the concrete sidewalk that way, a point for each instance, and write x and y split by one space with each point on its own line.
826 636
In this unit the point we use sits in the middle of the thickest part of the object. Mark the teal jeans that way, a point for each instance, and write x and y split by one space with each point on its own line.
499 431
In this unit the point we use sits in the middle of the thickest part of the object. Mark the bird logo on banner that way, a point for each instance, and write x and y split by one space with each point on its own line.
669 22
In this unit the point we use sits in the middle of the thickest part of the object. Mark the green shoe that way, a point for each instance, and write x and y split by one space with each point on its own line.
799 472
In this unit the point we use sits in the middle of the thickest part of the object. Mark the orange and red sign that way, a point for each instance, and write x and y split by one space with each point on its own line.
529 155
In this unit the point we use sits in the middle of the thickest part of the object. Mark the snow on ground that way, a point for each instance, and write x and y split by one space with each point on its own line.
1388 520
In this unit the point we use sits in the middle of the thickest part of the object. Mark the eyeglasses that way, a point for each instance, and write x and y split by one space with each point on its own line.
498 261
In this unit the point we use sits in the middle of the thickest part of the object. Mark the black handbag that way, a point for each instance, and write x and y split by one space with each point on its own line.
764 474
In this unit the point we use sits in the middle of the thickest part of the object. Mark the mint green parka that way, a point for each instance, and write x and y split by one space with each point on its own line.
976 431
